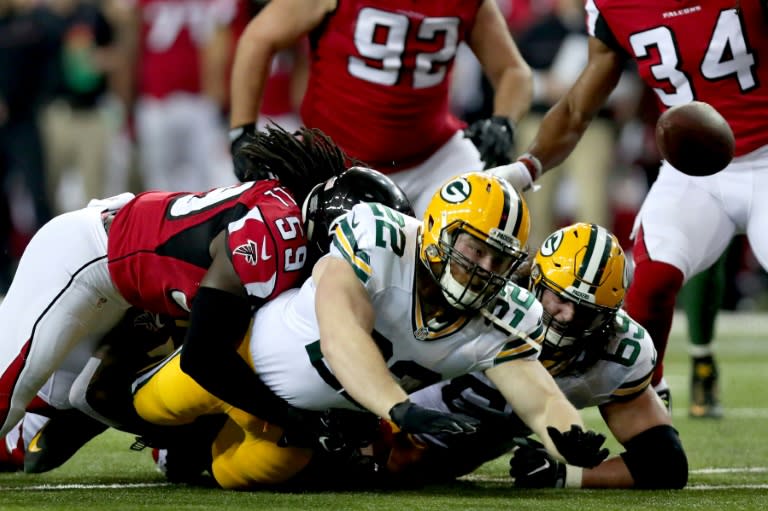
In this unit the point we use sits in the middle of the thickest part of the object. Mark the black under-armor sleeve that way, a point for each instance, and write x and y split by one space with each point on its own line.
604 33
218 322
656 459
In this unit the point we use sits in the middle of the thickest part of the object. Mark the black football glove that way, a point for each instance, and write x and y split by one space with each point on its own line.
433 425
245 167
494 138
313 432
531 466
334 432
579 447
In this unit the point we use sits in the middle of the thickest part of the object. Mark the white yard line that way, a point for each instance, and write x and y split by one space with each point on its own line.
483 478
727 487
478 478
57 487
732 470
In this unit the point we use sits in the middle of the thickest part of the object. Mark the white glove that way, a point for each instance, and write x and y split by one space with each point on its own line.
112 203
517 174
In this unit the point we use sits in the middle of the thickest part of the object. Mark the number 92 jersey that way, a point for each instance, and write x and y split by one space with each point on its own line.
387 64
159 243
380 245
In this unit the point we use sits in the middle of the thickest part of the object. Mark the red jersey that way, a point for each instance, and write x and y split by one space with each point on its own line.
172 33
689 50
380 72
158 246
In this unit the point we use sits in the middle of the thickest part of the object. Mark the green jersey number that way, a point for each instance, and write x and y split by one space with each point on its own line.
389 228
629 346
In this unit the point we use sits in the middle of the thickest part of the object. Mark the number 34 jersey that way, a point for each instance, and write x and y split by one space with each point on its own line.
707 50
380 245
159 243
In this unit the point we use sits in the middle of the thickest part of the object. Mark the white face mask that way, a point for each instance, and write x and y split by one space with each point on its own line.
554 337
452 289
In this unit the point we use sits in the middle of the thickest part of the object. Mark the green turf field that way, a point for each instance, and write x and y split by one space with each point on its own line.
728 461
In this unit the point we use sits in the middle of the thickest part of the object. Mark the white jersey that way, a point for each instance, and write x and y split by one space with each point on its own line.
622 371
381 246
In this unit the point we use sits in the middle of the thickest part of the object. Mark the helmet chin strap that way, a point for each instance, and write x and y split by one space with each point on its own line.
452 288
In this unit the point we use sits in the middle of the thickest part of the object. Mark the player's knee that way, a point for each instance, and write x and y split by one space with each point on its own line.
255 464
656 459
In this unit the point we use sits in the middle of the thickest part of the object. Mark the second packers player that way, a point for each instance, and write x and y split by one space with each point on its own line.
598 355
397 304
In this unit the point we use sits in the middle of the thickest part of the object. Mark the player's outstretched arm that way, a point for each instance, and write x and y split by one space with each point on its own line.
565 123
218 322
546 410
654 456
346 317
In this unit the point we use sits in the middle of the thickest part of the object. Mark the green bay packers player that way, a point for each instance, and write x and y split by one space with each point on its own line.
598 355
398 304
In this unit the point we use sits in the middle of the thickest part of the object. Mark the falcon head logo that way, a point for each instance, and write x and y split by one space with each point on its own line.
249 250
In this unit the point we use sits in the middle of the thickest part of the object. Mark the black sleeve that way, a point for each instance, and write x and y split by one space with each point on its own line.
605 34
656 459
218 322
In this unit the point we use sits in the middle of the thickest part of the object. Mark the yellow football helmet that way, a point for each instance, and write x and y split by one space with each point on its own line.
490 220
583 264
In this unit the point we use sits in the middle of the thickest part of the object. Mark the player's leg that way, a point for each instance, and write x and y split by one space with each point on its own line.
12 450
591 165
60 438
167 396
204 141
103 388
156 140
67 429
671 244
245 454
99 389
701 298
186 455
15 446
62 296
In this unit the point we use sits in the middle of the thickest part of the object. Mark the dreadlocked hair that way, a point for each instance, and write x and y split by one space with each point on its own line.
298 160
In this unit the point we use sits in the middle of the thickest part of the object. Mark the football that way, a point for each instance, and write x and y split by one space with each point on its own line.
695 139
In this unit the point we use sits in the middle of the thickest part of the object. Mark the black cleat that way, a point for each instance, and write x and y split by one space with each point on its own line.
61 437
705 391
665 394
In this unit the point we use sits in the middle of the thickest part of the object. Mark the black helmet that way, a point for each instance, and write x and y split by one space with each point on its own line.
332 198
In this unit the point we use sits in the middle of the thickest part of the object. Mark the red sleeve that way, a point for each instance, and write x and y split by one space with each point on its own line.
268 249
254 254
